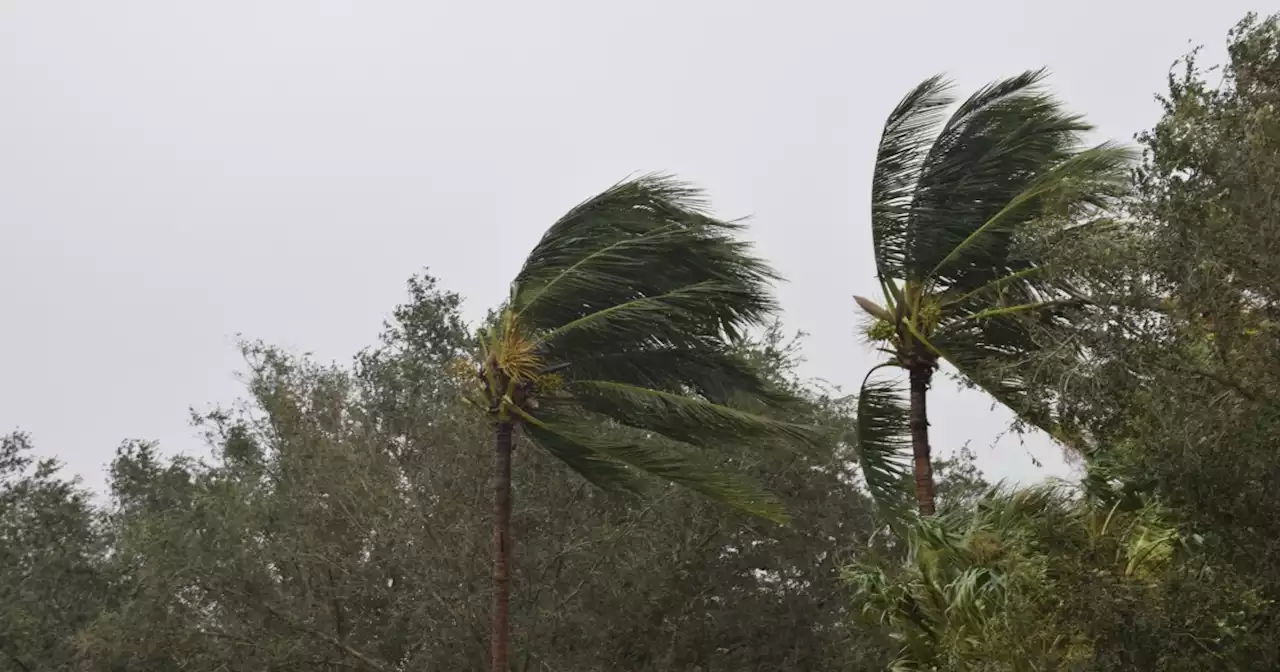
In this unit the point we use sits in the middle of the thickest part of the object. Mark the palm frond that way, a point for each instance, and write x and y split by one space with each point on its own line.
677 316
1093 178
685 418
993 94
708 370
907 136
598 469
997 354
560 437
992 148
883 442
640 239
1022 282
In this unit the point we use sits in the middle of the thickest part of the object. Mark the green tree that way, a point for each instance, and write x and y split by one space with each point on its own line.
319 534
337 524
951 200
624 314
52 552
1182 403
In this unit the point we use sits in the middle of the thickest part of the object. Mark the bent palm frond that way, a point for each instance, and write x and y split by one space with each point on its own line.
908 134
1088 180
883 441
683 417
642 239
608 462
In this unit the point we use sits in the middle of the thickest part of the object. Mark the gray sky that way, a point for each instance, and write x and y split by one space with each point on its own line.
174 173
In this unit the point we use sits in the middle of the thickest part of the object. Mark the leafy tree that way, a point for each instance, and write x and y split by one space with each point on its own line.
52 579
624 314
1200 430
951 198
336 525
1180 402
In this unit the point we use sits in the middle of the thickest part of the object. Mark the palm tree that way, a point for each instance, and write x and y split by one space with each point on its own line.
615 354
954 202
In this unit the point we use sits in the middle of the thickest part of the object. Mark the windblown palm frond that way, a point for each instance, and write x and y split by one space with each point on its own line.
631 305
640 246
1071 187
997 354
947 197
908 134
609 464
883 442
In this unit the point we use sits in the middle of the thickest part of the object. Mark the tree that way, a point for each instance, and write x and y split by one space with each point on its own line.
333 526
1182 403
1200 417
950 204
342 506
624 314
52 578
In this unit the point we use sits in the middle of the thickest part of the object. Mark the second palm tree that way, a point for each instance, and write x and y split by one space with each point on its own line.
953 200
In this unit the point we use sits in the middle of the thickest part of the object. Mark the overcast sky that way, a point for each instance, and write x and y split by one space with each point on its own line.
173 173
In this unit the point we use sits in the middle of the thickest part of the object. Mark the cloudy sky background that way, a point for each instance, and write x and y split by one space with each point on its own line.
175 173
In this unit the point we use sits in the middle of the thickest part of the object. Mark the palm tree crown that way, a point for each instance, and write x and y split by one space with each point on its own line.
615 354
952 199
626 313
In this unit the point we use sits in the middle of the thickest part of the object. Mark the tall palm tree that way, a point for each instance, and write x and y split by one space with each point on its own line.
953 200
614 353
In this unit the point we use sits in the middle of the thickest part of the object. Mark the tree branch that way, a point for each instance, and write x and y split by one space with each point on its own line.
366 660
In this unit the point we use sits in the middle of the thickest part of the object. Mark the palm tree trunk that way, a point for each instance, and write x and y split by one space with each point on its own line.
499 633
919 420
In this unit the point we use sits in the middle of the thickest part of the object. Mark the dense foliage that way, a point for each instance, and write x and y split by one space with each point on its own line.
341 520
1169 395
341 517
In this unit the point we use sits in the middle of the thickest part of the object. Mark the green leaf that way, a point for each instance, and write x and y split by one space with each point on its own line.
600 470
1092 178
1006 156
673 316
706 370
